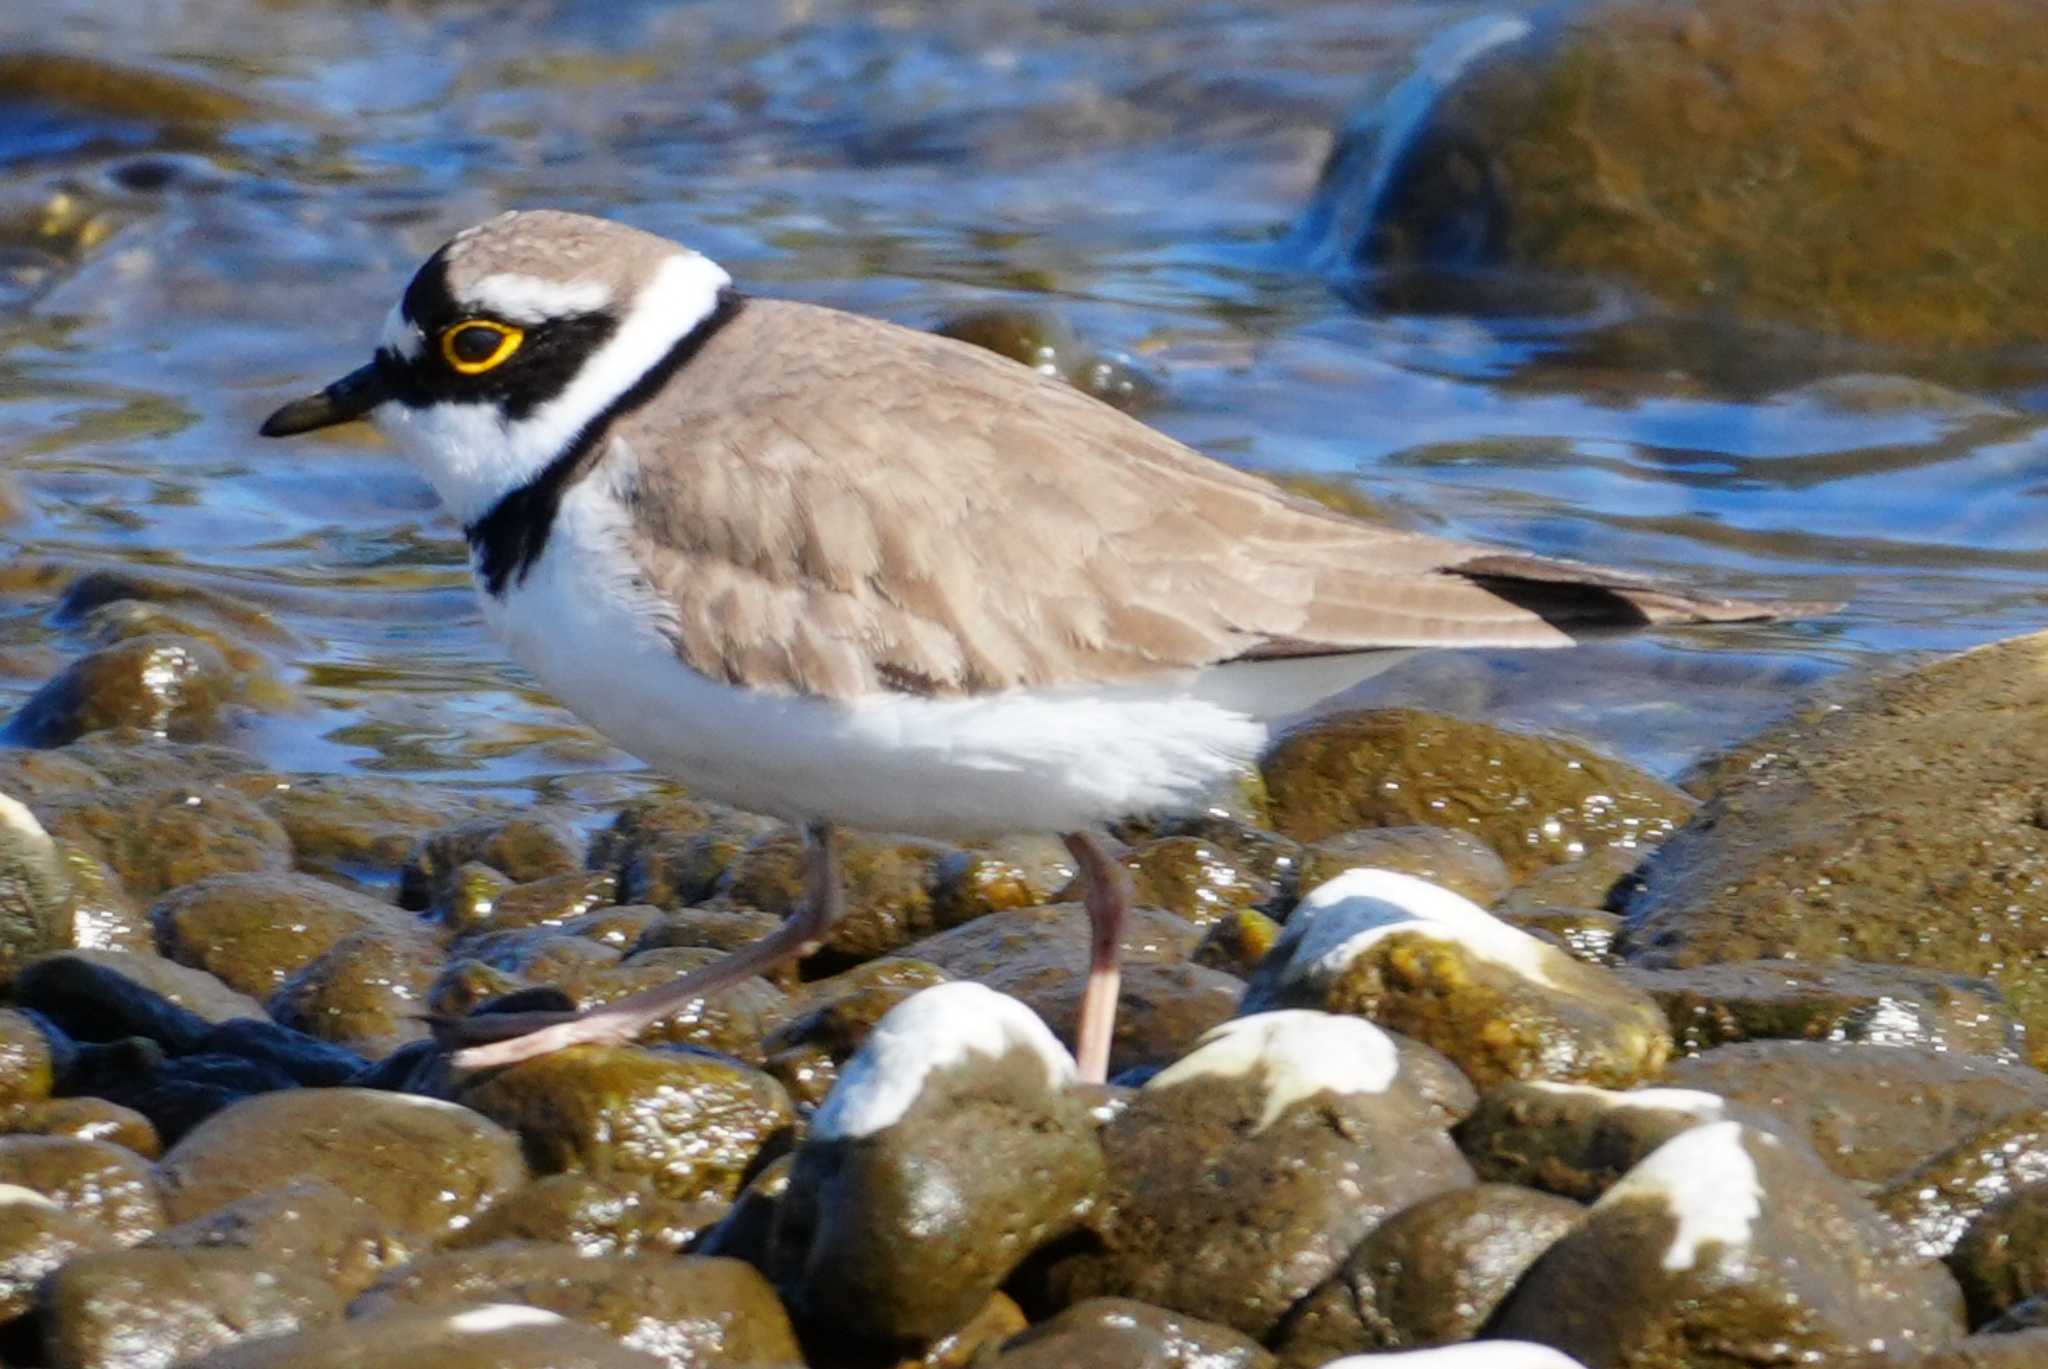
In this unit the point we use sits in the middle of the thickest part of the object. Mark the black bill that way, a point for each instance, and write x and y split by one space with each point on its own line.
354 395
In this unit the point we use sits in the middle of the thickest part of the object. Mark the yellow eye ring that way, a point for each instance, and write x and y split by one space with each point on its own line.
463 345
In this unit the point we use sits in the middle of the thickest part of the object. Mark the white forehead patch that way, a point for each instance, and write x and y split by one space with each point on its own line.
1707 1180
1478 1354
520 298
1344 917
1299 1053
931 1030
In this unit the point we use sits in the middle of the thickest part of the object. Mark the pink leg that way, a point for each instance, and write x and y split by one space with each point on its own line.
521 1036
1108 898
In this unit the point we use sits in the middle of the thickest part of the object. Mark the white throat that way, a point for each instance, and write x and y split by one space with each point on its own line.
474 457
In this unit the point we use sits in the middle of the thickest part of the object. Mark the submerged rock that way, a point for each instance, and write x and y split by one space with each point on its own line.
1898 827
1422 961
1733 1238
1536 801
1851 167
176 687
1242 1175
950 1150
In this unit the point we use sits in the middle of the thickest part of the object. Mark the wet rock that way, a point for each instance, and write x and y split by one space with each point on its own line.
1265 857
733 1020
892 888
674 852
428 1168
353 828
747 1232
1242 1175
503 906
1896 827
1887 1005
108 995
1698 158
595 1215
1937 1200
1441 1085
2023 1351
1047 344
1040 957
150 1309
502 1336
1536 801
35 776
1582 933
523 848
1422 961
306 1225
807 1051
1194 879
1237 943
1734 1238
998 1320
2002 1258
38 1237
161 837
175 687
114 1189
367 992
1577 1141
1487 1354
84 1119
1432 1274
692 1312
36 908
1447 857
103 916
690 1123
256 931
27 1061
1122 1333
949 1152
1017 872
1870 1113
1604 878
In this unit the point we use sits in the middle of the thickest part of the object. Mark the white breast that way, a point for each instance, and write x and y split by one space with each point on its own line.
1017 761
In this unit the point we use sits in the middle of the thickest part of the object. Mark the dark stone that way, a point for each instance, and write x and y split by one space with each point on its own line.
2002 1259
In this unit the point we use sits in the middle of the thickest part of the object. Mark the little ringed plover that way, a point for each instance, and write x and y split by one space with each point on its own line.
843 572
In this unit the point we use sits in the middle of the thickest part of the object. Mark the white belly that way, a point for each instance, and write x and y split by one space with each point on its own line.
1018 761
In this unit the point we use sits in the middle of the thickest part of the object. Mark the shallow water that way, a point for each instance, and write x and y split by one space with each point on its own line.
1133 166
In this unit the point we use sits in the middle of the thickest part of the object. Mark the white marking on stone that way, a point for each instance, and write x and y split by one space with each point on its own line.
1708 1107
15 814
13 1195
1300 1054
500 1316
932 1030
1708 1181
1344 917
519 298
1479 1354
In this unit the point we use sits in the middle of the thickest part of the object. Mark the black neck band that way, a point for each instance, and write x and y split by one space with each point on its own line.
512 533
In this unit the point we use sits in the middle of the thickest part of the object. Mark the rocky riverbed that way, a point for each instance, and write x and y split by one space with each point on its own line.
1664 1003
1429 1034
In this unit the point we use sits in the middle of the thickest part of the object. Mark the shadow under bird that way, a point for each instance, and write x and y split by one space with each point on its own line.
843 572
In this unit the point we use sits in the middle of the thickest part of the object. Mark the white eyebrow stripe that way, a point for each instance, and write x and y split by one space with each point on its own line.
519 298
401 336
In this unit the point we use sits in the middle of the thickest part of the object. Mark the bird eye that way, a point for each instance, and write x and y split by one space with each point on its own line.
478 345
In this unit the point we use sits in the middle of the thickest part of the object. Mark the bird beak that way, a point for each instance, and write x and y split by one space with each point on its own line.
354 395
